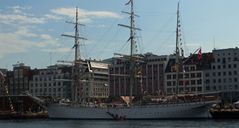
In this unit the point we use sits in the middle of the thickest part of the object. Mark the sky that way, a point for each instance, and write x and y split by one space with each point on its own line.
30 30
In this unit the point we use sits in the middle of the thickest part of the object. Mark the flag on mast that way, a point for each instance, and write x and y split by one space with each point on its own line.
200 54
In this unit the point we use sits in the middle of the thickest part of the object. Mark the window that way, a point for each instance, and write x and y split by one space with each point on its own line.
236 86
186 75
207 75
169 84
199 75
193 82
213 67
229 66
224 80
199 81
235 65
219 80
235 72
207 81
224 73
229 58
213 74
207 88
192 68
229 73
168 77
224 66
180 82
192 75
235 79
214 81
199 88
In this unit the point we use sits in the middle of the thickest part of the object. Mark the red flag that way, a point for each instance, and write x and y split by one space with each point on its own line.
200 54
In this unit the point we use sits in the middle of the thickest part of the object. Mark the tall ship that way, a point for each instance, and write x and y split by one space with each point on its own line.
177 106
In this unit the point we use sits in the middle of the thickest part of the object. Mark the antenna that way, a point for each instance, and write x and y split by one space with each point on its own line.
214 42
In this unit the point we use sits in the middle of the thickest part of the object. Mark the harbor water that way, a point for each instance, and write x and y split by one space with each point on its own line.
47 123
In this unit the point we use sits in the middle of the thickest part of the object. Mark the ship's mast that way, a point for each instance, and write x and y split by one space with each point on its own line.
178 63
133 50
76 70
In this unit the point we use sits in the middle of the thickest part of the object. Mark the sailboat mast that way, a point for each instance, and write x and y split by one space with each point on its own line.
76 65
132 52
76 71
177 63
132 33
76 39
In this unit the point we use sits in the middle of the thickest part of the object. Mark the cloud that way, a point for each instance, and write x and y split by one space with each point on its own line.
53 17
23 40
85 15
18 15
19 28
20 19
58 50
19 9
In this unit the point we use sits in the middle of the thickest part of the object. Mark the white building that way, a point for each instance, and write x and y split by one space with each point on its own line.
223 76
190 78
53 81
96 85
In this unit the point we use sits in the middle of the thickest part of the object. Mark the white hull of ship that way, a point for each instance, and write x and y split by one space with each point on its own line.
162 111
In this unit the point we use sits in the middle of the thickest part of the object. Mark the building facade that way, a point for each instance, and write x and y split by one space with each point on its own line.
54 81
92 83
223 76
19 79
150 81
189 79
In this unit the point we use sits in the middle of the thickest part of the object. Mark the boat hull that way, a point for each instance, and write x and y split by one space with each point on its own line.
162 111
227 114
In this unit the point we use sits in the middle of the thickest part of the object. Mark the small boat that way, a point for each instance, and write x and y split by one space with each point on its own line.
225 111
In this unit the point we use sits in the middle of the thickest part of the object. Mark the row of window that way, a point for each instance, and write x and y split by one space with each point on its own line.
224 66
183 90
220 87
229 73
50 78
185 75
47 84
224 80
48 90
185 82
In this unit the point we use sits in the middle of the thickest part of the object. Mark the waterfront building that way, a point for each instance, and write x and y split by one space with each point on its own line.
150 80
54 81
19 79
223 76
191 74
95 80
154 71
92 82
